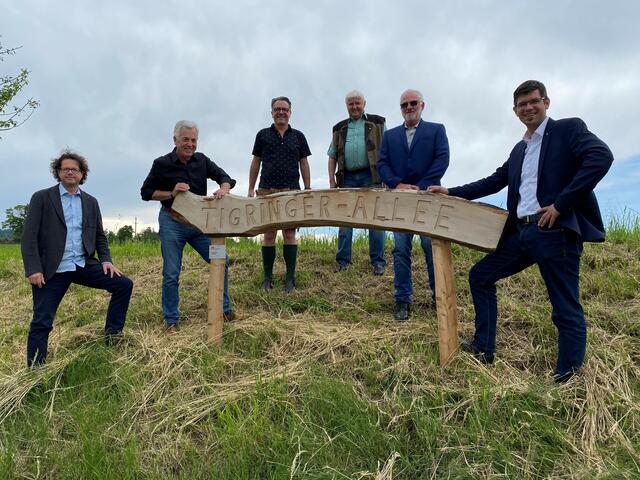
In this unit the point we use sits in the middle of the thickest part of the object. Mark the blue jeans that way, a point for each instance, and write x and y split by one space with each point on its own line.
173 237
47 299
557 253
402 281
345 234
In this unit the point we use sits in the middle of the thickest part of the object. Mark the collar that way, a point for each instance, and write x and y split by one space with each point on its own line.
64 191
273 127
362 117
415 126
175 159
539 131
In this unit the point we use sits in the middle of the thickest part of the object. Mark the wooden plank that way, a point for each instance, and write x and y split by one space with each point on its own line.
445 300
215 314
470 223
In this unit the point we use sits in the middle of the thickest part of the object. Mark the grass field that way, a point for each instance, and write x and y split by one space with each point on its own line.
321 384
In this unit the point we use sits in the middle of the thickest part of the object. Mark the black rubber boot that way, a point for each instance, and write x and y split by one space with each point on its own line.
268 257
290 253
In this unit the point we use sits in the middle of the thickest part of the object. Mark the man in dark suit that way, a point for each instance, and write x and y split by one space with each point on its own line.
62 234
550 175
413 156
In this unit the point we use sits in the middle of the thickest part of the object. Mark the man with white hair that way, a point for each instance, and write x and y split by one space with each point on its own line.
181 170
413 156
354 149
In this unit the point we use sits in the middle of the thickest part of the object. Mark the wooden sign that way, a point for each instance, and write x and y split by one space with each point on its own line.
476 225
445 219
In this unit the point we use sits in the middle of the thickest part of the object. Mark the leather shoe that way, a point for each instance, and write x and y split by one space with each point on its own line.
467 345
378 270
565 377
289 285
267 285
171 330
402 312
229 316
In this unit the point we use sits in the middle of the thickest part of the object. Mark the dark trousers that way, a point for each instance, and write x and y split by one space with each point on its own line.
557 254
47 299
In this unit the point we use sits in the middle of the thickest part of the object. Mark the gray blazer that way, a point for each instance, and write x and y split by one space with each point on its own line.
45 233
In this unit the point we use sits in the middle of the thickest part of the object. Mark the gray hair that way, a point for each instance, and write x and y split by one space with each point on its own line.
279 99
184 124
354 94
414 91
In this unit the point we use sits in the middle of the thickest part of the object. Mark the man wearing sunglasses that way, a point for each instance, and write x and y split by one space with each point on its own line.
413 156
62 236
550 175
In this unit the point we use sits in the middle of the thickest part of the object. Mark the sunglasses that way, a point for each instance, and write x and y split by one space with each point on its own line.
413 103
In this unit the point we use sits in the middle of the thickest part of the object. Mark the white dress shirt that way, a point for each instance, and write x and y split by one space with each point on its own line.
528 201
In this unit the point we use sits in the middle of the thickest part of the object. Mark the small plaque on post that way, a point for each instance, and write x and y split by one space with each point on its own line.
217 252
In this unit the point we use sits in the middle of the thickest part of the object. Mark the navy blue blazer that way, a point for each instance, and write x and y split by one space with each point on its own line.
423 164
45 233
572 162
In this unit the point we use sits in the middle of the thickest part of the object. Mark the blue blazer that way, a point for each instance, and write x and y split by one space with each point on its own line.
45 233
572 162
423 164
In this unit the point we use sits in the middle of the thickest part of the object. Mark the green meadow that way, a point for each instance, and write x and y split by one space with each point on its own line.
321 383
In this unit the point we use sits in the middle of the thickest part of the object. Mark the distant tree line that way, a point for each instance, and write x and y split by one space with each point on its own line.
16 216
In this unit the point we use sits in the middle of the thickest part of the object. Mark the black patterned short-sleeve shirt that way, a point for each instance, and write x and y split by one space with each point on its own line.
280 157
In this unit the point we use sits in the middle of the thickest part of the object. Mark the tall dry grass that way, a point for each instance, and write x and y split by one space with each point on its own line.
322 383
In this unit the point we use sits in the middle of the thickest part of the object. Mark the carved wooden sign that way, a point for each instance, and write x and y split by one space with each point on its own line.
441 217
473 224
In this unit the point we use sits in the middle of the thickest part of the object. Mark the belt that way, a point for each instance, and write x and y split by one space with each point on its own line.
360 170
527 219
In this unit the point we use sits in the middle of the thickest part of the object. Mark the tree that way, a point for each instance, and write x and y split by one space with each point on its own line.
111 236
12 116
148 235
125 233
16 217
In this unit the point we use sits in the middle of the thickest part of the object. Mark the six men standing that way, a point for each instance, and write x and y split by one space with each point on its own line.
551 175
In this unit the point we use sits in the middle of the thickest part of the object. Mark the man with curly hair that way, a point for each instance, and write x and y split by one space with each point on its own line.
62 235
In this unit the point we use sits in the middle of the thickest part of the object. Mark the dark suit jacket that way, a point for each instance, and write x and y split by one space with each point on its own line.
45 233
572 162
422 164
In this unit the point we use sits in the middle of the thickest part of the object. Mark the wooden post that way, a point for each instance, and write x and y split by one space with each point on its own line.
215 315
445 299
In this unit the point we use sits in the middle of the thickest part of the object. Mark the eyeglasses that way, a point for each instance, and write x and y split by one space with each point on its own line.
281 109
413 103
70 170
533 102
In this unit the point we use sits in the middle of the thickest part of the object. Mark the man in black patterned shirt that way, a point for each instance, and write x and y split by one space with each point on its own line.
282 151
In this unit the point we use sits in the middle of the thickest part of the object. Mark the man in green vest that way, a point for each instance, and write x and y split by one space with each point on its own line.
353 155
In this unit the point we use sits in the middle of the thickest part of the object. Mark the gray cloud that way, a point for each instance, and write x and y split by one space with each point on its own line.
114 77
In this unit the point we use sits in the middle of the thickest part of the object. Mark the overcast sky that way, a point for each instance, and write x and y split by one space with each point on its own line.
114 77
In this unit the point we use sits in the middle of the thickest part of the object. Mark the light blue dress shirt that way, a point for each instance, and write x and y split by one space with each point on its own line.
355 149
73 249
